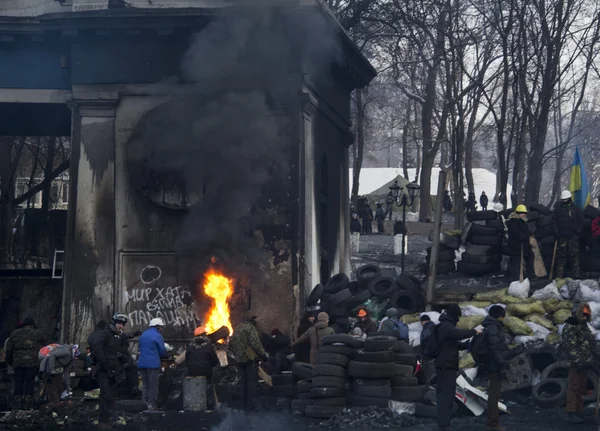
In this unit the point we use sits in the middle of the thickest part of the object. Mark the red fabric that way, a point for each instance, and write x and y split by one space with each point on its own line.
596 227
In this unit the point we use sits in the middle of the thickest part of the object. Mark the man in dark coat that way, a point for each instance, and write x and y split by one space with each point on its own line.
380 217
106 346
447 201
483 201
302 351
389 205
364 322
517 242
22 349
582 353
497 361
277 345
472 202
568 223
427 326
355 226
446 364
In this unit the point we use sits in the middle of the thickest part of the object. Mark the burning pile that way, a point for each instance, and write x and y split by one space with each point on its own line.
219 288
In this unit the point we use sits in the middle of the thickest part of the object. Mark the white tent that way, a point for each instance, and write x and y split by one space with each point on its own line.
373 178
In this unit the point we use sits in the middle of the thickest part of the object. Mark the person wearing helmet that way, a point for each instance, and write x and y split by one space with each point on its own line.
582 353
105 346
568 223
152 349
517 245
365 323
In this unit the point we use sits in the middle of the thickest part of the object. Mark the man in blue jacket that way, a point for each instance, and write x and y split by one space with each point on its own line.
152 348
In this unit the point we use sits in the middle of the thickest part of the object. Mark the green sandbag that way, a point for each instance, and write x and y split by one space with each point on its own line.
466 361
560 282
552 338
517 326
469 322
552 305
509 299
561 316
410 318
492 295
522 310
536 318
476 304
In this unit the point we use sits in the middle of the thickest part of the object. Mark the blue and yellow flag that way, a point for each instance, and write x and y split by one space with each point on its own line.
578 186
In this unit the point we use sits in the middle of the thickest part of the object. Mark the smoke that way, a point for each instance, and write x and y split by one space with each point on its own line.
230 136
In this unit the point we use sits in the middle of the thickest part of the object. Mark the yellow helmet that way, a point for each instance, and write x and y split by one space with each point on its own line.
521 209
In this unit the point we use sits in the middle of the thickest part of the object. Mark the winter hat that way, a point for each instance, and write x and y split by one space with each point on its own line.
497 311
323 317
28 322
362 313
392 312
425 318
453 310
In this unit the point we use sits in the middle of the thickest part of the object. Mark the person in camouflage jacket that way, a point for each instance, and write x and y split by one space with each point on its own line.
22 350
581 351
247 348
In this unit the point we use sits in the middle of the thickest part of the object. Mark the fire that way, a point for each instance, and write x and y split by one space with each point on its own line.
220 289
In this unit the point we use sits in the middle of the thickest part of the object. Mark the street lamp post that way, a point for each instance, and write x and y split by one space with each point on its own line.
404 201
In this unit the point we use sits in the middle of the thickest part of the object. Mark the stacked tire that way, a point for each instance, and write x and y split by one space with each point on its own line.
483 248
551 390
284 386
303 373
446 255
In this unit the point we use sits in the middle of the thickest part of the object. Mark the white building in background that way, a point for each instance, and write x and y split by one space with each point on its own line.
59 192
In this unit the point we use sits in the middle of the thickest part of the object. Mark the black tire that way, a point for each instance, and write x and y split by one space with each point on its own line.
544 221
304 386
315 295
449 241
409 394
354 287
480 259
304 396
406 282
380 344
383 287
361 355
328 370
403 370
367 370
446 267
481 215
322 412
358 299
486 240
473 269
283 379
496 224
337 283
332 359
346 339
487 250
542 209
425 411
289 391
480 230
404 381
549 240
369 402
405 359
366 273
403 347
557 370
372 391
550 393
299 406
371 382
591 212
338 311
302 370
327 393
544 232
330 401
340 350
443 257
131 406
328 382
533 216
393 334
592 383
340 297
406 299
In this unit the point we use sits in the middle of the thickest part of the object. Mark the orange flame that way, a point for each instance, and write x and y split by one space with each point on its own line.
219 288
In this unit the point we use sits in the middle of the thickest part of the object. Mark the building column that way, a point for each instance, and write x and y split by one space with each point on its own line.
344 257
88 293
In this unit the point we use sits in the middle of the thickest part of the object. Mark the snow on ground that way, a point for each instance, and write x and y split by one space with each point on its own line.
373 178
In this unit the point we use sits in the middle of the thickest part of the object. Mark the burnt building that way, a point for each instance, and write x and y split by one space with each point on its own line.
184 118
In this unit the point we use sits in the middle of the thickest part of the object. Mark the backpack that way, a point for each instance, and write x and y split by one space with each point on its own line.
431 347
46 350
400 326
478 347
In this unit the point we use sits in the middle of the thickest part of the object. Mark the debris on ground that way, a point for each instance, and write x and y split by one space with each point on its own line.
369 418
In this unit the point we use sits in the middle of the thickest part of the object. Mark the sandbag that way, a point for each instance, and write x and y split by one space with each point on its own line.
517 326
553 338
522 310
561 316
509 299
492 295
469 310
540 320
416 326
519 289
595 308
548 292
525 339
553 305
433 315
410 318
588 291
538 330
477 304
560 282
469 322
466 361
414 338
